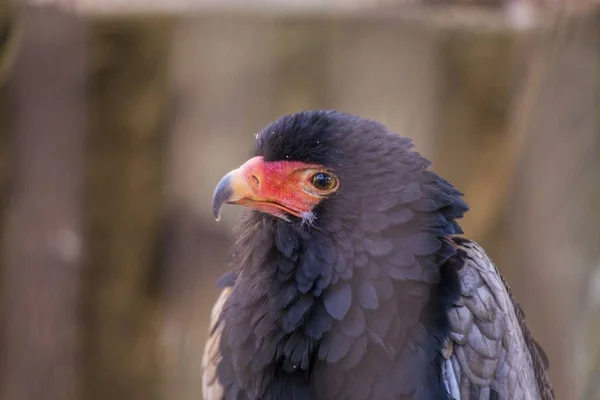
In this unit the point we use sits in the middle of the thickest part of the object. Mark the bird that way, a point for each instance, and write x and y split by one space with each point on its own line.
350 278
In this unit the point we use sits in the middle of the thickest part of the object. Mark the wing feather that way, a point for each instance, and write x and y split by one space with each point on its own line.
490 352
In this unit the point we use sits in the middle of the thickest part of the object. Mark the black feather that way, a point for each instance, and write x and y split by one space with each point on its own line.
337 301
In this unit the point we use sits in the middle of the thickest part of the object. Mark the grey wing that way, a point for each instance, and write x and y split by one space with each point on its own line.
490 353
211 388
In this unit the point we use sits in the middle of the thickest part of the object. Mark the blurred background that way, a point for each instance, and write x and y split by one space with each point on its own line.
118 117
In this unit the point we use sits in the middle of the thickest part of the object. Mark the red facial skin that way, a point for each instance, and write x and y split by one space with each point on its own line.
278 188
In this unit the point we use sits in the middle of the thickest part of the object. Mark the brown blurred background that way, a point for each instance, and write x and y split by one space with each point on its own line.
119 117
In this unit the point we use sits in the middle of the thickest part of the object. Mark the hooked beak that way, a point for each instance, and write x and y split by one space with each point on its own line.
231 188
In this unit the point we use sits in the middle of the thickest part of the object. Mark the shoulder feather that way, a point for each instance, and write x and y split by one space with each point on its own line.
211 387
490 351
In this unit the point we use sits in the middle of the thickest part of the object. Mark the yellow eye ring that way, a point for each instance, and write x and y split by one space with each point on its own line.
323 181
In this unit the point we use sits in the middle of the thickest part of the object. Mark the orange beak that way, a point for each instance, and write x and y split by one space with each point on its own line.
276 188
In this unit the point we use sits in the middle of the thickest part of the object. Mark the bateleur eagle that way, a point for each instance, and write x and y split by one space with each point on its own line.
349 280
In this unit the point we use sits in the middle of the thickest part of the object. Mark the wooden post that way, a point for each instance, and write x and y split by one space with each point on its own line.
124 206
46 113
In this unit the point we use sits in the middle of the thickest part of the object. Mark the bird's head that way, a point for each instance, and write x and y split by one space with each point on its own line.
284 189
327 168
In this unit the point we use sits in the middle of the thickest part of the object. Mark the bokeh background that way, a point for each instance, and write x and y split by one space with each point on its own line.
117 119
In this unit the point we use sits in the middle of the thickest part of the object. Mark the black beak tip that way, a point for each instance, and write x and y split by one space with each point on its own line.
222 195
217 214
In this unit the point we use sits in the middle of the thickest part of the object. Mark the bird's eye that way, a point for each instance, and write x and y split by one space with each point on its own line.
323 181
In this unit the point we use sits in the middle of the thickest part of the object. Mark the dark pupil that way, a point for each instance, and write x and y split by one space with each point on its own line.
322 181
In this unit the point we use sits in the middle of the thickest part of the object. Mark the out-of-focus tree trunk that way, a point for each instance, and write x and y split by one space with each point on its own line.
9 35
46 113
222 78
9 39
592 297
385 69
477 71
124 206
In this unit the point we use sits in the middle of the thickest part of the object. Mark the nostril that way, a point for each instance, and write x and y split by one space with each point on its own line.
255 181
